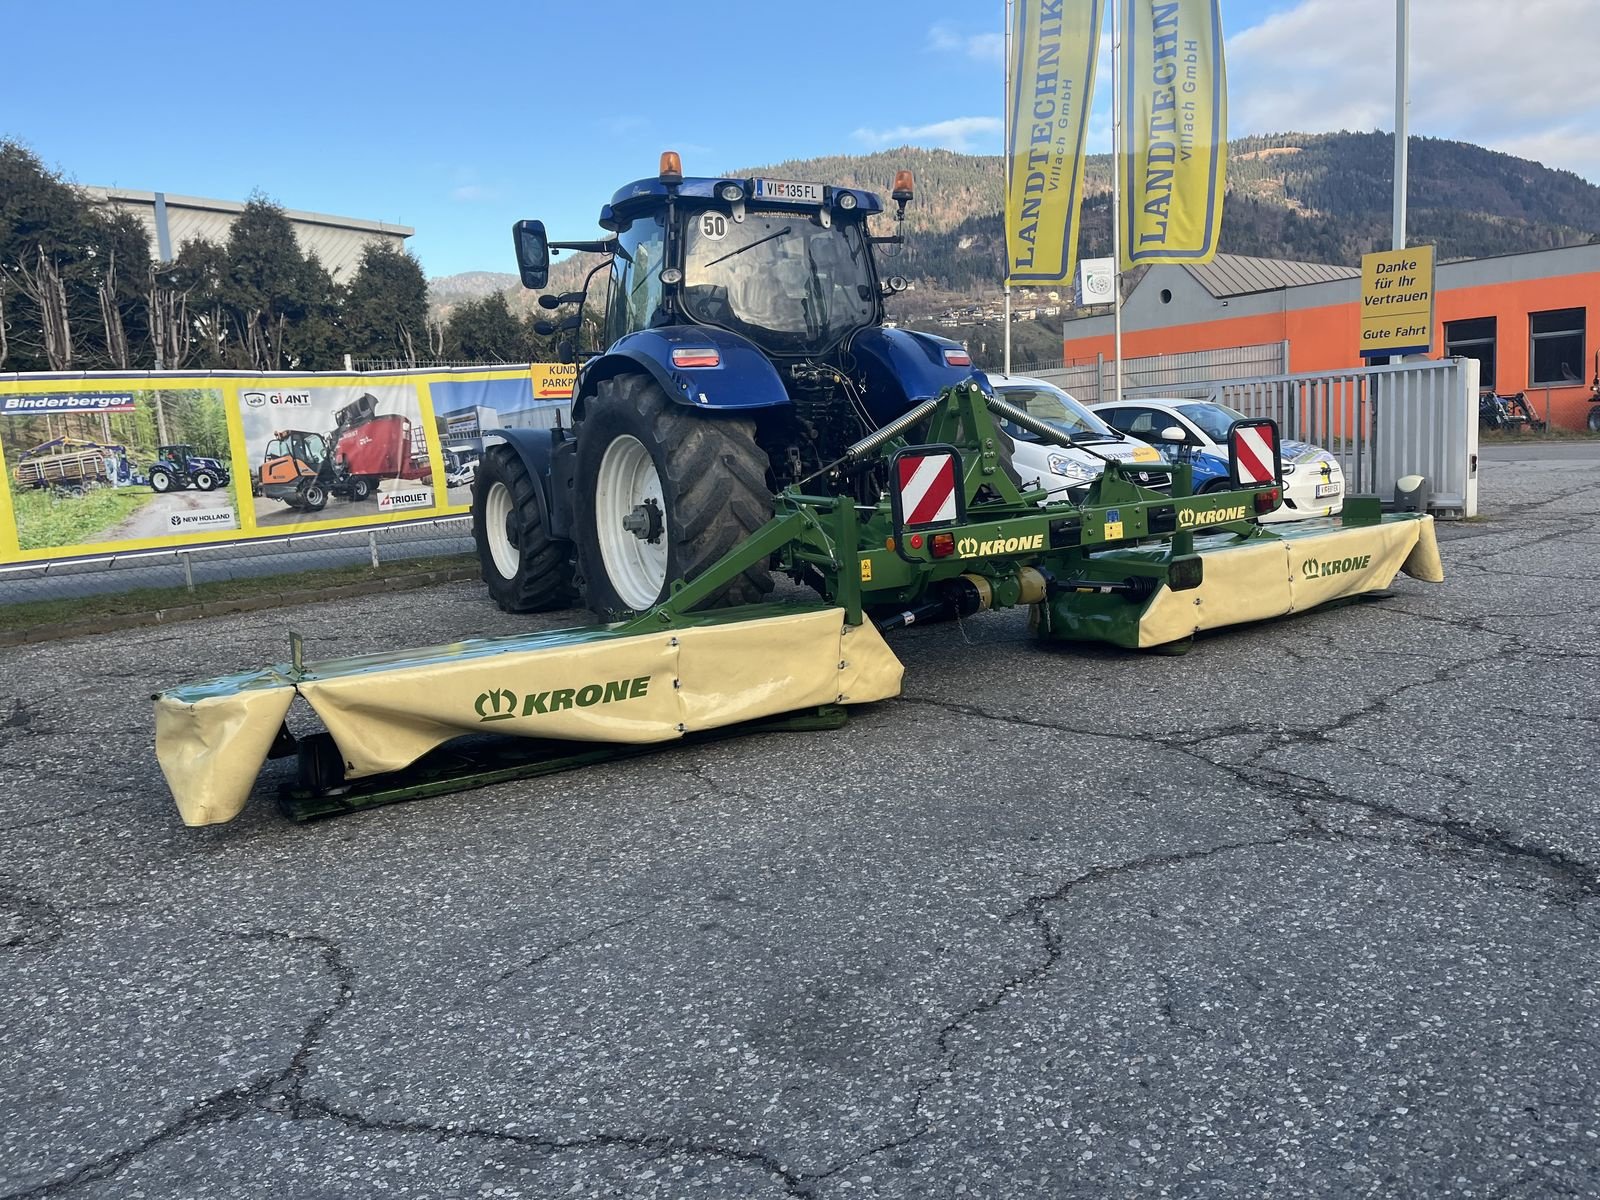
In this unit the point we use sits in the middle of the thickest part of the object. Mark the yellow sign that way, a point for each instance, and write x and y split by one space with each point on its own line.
1054 49
1174 132
1397 302
554 381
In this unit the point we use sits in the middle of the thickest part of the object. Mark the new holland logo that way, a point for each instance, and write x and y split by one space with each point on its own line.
969 547
501 704
1312 569
1188 518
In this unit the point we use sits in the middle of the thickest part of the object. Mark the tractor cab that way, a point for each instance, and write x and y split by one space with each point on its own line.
787 265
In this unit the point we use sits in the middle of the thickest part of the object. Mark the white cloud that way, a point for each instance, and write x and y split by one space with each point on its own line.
984 47
958 133
1506 76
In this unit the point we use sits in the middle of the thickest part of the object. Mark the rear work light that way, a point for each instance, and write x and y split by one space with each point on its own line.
957 358
696 356
942 545
1267 501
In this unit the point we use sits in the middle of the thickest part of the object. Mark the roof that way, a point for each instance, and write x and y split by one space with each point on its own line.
233 208
1239 274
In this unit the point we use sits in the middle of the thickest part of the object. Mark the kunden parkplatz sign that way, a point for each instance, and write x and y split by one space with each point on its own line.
1397 302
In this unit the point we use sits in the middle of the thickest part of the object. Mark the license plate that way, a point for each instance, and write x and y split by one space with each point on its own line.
1329 489
788 190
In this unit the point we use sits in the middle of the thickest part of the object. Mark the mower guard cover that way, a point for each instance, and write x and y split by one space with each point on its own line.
385 711
1303 565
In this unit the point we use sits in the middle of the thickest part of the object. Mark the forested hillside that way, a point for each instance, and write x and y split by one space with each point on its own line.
1314 197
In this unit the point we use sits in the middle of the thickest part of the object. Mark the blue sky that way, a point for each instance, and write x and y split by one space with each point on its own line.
458 119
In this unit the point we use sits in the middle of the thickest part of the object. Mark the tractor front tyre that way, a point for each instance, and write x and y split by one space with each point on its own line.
524 568
160 482
663 492
313 497
205 481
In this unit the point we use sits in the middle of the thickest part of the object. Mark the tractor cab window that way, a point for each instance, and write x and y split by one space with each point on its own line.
635 300
779 277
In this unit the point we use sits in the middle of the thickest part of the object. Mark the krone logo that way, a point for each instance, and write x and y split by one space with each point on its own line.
501 704
1188 518
1011 545
496 706
1312 569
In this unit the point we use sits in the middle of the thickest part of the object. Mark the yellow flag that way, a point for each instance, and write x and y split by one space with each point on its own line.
1054 44
1174 131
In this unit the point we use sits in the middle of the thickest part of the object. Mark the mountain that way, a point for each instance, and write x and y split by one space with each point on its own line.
446 290
1313 197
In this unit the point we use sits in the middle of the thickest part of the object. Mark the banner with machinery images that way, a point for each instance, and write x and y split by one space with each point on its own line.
96 464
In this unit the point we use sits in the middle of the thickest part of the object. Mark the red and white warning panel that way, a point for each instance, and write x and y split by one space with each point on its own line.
1253 452
927 486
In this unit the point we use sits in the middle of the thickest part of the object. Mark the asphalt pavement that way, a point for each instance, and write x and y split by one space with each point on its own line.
1310 911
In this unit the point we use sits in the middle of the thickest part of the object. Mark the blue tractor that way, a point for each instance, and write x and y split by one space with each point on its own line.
745 351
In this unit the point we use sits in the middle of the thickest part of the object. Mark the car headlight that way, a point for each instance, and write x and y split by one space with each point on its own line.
1288 468
1061 465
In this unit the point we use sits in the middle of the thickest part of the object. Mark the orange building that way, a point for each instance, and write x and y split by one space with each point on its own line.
1531 320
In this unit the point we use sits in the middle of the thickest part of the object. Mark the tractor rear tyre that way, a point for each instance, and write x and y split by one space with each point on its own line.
205 481
526 569
313 497
160 481
663 492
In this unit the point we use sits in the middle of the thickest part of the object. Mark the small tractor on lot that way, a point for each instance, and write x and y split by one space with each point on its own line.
752 415
178 467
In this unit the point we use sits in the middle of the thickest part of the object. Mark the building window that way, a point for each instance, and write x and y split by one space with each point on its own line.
1472 339
1556 358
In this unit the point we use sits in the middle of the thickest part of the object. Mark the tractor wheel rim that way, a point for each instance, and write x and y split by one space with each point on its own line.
626 480
497 510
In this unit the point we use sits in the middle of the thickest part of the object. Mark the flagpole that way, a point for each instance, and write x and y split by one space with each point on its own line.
1005 167
1116 205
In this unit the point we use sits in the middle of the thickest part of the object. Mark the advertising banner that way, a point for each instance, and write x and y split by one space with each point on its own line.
1174 132
1397 302
116 463
1054 49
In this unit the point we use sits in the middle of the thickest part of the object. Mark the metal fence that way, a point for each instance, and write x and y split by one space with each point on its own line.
1416 418
1190 375
189 567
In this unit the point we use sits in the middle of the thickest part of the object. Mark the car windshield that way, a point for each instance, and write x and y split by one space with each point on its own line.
779 277
1055 406
1213 419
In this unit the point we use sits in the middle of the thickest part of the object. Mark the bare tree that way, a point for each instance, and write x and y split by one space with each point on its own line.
170 330
43 285
111 315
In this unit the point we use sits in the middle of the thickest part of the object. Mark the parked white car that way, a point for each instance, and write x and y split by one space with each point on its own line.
1056 468
1313 480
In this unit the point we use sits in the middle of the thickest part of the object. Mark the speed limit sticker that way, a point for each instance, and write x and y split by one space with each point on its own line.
713 225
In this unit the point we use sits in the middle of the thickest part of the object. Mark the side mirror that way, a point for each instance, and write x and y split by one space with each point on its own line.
1174 433
533 253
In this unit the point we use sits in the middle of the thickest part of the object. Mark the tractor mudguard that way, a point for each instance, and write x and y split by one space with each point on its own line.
744 378
540 451
904 368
